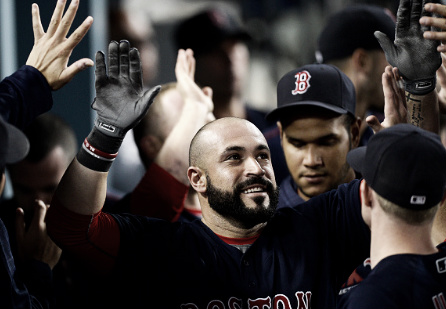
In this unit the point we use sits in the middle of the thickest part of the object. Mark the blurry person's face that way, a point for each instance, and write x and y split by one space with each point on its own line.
224 69
37 180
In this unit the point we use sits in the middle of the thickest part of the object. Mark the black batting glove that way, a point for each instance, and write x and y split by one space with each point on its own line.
416 58
120 104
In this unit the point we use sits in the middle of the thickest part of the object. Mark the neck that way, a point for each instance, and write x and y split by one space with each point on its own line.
439 226
192 201
226 227
390 237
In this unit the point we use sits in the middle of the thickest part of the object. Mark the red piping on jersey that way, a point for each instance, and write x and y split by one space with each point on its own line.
239 241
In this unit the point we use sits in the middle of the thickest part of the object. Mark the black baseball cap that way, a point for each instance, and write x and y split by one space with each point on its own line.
14 145
352 28
205 30
320 85
404 164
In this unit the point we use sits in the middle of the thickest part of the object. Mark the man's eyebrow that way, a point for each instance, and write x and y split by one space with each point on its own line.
263 147
321 138
234 148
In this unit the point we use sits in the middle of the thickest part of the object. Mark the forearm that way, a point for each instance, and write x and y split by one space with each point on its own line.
24 95
82 190
174 154
423 111
158 195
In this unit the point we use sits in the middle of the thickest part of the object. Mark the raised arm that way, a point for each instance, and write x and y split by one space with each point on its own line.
120 103
417 60
27 92
52 50
196 112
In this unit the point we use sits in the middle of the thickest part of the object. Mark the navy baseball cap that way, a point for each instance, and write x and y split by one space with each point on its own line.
203 31
404 164
352 28
319 85
14 145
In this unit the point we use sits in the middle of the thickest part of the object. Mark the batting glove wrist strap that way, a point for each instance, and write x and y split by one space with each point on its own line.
421 86
99 151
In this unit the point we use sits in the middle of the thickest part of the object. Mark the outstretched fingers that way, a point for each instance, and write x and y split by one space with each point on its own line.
57 16
135 71
67 20
37 23
79 33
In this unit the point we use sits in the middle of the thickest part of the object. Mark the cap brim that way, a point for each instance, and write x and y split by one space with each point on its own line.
286 109
356 158
18 145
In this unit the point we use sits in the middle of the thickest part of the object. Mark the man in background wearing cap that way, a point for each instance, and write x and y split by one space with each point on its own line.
400 196
218 41
315 115
347 42
23 96
313 101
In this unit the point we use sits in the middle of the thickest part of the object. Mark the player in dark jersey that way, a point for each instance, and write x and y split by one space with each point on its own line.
241 254
399 205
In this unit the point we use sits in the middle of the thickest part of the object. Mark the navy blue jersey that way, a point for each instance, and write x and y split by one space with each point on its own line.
402 281
300 259
288 196
24 95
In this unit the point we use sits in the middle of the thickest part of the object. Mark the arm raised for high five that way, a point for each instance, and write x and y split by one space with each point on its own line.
27 93
52 50
417 60
437 22
120 103
196 112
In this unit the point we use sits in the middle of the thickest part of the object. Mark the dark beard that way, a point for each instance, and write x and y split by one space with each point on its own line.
230 204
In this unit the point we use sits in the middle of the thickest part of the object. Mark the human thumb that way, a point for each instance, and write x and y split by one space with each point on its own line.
387 45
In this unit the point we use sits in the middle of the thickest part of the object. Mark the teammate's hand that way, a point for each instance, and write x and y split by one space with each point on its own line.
437 22
189 90
52 50
120 102
441 85
395 109
33 242
416 58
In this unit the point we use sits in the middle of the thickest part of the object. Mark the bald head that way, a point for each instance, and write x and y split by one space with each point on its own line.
214 133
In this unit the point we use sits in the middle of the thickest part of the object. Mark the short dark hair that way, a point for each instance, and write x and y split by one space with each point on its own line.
45 133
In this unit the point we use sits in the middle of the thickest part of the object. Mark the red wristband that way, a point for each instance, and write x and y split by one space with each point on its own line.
96 152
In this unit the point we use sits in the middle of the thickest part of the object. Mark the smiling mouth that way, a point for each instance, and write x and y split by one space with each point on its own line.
254 190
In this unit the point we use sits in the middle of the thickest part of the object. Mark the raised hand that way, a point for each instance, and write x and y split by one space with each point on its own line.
120 101
33 242
52 50
437 24
416 58
189 90
395 109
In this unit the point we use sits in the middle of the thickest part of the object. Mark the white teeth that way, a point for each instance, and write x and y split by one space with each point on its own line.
256 189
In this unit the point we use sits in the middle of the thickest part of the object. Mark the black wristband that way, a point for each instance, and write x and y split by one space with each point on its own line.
421 86
102 143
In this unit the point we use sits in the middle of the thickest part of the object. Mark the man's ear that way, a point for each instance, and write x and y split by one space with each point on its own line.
365 194
149 146
197 179
355 131
362 61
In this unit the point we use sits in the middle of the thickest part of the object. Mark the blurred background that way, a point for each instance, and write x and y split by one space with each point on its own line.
284 35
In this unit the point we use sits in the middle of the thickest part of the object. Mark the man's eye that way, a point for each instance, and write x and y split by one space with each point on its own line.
233 157
264 156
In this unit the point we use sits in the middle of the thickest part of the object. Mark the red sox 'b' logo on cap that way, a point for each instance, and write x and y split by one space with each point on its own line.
302 82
